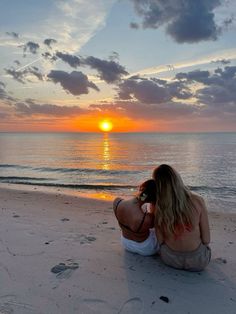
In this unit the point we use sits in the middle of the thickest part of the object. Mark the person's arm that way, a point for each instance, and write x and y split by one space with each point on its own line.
152 208
204 224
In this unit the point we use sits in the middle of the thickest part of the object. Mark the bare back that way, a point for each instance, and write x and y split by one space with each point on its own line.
134 222
200 233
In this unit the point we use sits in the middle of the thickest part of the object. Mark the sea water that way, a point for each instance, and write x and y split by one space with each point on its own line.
111 164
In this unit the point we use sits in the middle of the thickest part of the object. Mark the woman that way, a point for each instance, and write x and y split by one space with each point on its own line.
136 221
181 222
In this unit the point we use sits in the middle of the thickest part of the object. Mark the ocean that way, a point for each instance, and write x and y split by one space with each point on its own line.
114 164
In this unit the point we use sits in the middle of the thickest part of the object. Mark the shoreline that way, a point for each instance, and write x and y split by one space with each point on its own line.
41 230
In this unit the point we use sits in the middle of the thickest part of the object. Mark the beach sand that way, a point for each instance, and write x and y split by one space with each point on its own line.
41 230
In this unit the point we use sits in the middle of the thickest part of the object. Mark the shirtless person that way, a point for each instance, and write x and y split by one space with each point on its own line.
181 222
136 222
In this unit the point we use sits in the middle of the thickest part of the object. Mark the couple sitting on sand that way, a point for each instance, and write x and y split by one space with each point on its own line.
166 218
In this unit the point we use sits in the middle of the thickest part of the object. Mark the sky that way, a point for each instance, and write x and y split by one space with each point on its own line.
142 65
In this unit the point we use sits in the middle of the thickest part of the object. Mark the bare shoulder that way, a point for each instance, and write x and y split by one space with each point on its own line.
116 201
198 201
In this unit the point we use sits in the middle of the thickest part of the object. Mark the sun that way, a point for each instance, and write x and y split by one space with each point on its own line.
105 126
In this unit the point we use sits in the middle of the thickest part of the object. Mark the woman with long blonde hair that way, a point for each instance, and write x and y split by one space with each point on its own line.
181 222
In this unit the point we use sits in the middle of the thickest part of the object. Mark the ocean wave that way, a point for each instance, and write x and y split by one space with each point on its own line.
9 179
221 190
14 166
72 186
71 170
86 170
224 191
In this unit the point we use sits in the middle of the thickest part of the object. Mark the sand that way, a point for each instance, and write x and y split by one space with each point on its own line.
61 254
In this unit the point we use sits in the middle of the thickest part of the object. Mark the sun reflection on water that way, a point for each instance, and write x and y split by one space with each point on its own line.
106 152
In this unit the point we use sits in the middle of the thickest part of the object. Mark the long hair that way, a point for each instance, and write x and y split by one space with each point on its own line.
174 207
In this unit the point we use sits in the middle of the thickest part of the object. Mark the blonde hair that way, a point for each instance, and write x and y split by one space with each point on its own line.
174 206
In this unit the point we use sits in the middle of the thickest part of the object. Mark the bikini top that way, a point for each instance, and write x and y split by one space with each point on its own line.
127 227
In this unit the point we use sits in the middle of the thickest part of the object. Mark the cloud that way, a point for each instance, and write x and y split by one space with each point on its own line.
3 94
49 41
197 76
219 90
13 35
222 61
75 82
186 21
70 19
109 71
152 91
17 62
23 76
229 54
134 25
73 61
31 47
138 110
30 108
214 95
48 56
3 115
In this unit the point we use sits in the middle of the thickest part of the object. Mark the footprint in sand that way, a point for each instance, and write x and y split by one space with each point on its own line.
221 260
65 219
133 305
87 239
64 270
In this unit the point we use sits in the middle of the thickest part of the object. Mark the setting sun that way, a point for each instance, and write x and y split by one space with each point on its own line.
105 126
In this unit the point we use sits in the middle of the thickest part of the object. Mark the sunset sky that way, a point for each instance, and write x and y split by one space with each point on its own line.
143 65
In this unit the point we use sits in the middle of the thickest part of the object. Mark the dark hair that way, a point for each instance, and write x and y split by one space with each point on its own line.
148 191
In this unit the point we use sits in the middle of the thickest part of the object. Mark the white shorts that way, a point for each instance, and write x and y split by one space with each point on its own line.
148 247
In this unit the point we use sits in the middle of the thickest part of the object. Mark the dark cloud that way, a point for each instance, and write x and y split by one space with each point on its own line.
134 25
31 47
146 91
17 62
73 61
196 75
219 90
114 56
227 22
109 71
16 75
22 76
48 56
13 34
3 93
217 96
152 91
222 61
30 108
186 21
218 77
75 82
49 42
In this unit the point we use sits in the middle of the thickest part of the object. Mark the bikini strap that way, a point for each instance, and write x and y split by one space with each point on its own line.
116 205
